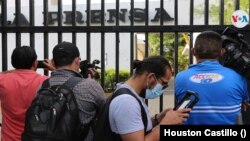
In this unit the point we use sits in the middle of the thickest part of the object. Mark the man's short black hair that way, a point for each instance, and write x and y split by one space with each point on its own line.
23 57
64 54
208 45
152 64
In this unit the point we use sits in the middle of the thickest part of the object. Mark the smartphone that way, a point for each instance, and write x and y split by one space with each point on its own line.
188 101
40 64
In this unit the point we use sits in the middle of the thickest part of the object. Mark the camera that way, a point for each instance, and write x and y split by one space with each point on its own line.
41 64
85 65
237 52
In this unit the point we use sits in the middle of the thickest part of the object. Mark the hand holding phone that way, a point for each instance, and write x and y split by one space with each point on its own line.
46 64
41 64
188 101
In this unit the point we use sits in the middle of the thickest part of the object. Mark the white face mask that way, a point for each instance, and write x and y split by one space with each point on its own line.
155 92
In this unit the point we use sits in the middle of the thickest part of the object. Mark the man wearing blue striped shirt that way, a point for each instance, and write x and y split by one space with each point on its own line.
221 90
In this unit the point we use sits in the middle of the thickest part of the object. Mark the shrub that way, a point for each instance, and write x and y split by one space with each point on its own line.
110 79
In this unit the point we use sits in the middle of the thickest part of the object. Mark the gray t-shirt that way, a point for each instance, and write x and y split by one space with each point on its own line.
125 113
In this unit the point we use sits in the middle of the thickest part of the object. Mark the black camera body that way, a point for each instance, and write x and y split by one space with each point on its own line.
85 65
237 52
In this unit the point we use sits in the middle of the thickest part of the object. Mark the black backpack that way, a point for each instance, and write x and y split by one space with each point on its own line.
54 115
103 130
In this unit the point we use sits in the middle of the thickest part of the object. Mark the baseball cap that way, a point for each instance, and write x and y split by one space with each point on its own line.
65 51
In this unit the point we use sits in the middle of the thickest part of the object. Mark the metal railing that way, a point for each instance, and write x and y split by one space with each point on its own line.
18 28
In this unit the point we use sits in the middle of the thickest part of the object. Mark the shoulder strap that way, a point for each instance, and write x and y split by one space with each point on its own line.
72 82
143 112
45 84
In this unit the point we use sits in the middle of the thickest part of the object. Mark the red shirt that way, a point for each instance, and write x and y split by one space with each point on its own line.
17 90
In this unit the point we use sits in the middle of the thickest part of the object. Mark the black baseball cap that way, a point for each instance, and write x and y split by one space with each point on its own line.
65 52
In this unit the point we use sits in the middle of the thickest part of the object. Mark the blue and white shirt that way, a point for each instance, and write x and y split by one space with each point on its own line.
221 91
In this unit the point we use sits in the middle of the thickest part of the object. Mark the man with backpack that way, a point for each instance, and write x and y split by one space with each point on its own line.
69 111
125 116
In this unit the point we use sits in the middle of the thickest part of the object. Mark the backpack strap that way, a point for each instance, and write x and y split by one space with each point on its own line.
45 84
72 82
122 91
84 129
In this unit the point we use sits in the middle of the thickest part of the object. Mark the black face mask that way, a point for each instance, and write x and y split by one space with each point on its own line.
143 93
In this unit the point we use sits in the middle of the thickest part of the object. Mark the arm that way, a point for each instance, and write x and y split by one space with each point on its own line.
158 117
171 117
48 63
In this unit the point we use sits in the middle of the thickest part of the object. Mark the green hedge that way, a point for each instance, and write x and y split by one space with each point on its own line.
110 78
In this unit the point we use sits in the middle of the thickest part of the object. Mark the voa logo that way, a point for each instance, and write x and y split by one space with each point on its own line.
240 19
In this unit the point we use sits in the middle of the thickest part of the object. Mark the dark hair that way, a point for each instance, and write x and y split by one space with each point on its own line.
208 45
23 57
64 54
153 64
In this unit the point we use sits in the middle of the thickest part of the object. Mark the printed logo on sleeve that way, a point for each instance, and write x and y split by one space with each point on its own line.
206 78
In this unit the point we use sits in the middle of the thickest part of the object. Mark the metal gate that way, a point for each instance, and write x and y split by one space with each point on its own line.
21 25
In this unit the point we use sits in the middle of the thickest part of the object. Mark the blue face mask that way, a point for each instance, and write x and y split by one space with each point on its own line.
155 92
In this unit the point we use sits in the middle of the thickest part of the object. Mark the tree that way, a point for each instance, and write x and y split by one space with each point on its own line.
168 48
229 8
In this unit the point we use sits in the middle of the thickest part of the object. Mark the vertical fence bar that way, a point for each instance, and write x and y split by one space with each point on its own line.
17 22
74 20
191 22
32 21
146 33
176 38
131 36
161 46
161 24
176 41
4 36
237 4
59 15
146 24
221 12
88 46
103 45
206 12
88 33
45 34
117 59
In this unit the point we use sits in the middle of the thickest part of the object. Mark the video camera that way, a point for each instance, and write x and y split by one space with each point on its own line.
237 52
85 65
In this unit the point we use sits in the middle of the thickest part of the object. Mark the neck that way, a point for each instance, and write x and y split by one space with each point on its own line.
135 83
201 60
69 67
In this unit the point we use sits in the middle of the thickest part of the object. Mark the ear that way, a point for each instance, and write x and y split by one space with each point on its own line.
53 63
222 51
34 65
77 61
150 77
193 51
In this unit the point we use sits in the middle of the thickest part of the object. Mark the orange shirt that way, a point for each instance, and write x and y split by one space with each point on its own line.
17 90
